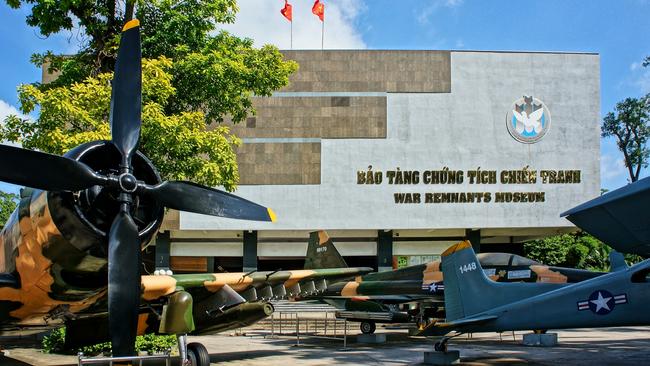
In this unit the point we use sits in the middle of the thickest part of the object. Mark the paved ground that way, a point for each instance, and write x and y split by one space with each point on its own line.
615 346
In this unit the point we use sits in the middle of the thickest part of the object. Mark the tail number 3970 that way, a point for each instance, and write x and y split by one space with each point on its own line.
467 267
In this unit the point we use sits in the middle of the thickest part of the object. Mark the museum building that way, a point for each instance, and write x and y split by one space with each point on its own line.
399 154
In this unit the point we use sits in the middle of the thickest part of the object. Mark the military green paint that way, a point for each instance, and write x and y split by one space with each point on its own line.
177 314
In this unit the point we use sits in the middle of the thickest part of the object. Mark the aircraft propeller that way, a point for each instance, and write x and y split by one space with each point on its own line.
57 173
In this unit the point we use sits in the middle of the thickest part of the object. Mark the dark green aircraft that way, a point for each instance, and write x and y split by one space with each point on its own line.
71 252
415 294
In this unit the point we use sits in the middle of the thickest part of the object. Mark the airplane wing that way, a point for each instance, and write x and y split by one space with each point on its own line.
386 299
438 329
252 286
614 218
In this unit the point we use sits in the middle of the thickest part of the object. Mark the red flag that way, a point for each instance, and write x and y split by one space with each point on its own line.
319 10
287 11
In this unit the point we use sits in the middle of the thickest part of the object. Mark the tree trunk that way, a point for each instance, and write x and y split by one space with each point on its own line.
110 21
128 14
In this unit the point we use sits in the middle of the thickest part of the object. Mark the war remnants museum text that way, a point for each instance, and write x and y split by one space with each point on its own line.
447 176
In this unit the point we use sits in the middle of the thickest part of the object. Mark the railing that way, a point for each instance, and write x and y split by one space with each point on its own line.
323 325
82 360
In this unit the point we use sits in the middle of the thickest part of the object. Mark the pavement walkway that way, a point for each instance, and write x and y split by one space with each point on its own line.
611 346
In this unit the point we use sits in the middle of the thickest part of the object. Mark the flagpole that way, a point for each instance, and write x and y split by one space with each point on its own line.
322 35
291 33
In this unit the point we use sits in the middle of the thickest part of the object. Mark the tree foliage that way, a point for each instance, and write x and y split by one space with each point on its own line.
180 145
8 202
167 24
193 76
629 125
576 250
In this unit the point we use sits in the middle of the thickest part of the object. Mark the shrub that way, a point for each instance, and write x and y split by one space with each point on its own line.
150 343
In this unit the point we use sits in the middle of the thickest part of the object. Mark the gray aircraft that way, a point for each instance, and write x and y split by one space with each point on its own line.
617 218
474 303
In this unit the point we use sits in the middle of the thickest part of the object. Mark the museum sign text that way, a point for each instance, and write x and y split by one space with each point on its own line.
448 176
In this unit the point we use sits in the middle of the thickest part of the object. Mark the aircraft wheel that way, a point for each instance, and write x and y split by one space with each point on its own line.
198 354
368 327
440 346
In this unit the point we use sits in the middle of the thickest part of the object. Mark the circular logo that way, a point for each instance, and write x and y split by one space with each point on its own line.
528 120
601 302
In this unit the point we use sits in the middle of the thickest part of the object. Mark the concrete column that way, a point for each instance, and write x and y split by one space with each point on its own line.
210 267
474 237
162 249
384 250
250 250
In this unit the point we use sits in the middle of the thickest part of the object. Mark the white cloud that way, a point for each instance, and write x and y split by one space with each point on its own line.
425 14
612 167
6 110
643 81
639 77
453 3
262 21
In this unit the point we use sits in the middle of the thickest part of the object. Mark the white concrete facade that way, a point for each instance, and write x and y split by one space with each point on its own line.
462 130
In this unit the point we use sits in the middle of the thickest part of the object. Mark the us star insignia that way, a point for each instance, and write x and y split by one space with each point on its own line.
602 302
433 287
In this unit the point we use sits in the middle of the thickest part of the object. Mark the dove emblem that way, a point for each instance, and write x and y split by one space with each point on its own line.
528 120
528 123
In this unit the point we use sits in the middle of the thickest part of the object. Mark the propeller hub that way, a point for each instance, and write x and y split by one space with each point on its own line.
127 182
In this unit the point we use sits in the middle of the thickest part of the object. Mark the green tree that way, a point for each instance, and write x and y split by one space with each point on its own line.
167 24
576 250
192 76
8 202
629 126
213 71
180 145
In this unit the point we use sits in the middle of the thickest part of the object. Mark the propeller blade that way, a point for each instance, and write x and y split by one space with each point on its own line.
191 197
45 171
123 284
126 100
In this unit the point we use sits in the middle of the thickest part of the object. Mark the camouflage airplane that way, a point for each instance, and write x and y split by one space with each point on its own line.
222 301
376 297
474 303
71 252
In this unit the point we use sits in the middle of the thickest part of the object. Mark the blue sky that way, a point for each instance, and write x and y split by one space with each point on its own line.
618 30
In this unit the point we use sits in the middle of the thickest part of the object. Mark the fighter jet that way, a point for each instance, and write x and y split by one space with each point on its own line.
71 252
415 294
474 303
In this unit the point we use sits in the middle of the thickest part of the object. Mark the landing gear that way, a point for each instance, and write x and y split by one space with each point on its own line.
368 327
441 345
193 354
198 354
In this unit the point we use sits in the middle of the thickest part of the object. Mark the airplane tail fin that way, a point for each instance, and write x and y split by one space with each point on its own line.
468 290
321 252
616 261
